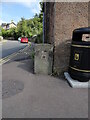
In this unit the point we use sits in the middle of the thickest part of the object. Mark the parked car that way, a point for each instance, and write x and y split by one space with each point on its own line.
19 39
33 39
24 40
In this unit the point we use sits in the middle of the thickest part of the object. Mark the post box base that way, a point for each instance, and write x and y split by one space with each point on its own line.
75 83
80 76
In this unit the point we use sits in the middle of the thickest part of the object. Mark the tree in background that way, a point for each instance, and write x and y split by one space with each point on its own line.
0 31
27 28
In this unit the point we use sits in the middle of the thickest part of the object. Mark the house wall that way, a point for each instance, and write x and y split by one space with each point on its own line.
4 27
8 26
68 16
12 25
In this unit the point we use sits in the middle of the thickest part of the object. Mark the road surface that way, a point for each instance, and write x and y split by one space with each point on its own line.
10 47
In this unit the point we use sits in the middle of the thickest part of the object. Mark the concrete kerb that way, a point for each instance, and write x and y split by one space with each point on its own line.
75 83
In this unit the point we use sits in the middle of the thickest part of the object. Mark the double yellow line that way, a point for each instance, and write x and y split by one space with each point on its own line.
9 57
6 59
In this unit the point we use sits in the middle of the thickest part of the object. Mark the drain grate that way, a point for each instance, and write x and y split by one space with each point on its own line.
11 88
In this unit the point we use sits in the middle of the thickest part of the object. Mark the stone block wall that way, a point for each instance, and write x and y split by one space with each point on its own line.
43 60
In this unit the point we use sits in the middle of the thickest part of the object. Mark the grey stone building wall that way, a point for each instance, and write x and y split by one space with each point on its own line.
66 17
49 22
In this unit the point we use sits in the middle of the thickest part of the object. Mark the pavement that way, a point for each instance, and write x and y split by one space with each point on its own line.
27 95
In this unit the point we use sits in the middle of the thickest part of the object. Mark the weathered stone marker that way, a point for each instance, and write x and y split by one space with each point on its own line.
43 60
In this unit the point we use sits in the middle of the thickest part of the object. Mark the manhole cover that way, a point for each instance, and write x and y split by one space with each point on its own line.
11 87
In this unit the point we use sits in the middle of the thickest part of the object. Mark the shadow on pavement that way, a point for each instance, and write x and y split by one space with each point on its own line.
27 65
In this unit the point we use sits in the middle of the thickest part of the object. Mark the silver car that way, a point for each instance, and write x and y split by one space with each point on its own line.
19 39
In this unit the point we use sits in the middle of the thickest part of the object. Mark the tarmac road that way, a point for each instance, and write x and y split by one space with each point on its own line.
10 47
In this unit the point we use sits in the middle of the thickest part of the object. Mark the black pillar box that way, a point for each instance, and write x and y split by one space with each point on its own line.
79 65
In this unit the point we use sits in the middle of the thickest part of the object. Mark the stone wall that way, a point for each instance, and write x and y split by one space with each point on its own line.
68 16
